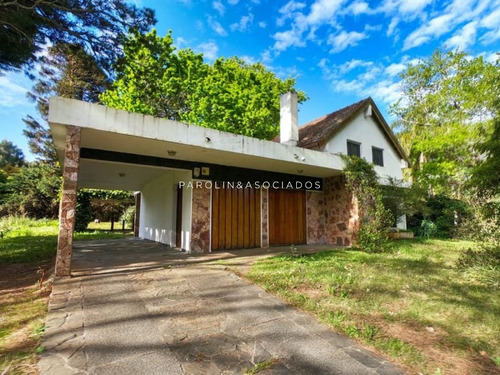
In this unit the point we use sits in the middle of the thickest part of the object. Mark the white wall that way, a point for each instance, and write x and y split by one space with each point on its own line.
367 132
158 209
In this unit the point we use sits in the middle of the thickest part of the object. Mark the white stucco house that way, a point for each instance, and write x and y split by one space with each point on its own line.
204 190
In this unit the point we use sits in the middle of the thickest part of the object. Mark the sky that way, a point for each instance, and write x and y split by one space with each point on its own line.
339 51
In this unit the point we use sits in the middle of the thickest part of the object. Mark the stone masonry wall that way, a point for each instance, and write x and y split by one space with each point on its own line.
200 230
341 212
67 207
332 215
315 217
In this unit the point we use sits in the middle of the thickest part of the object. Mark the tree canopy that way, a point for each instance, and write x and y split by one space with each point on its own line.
67 70
448 106
10 154
26 26
230 95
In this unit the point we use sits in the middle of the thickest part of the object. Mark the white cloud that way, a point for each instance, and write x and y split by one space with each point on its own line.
407 8
465 38
289 11
394 69
216 26
248 59
344 40
353 64
13 94
219 7
434 28
359 7
453 15
266 57
392 26
209 50
323 10
233 2
262 24
244 23
287 39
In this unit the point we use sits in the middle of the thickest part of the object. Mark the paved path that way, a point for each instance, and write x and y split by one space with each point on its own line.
190 317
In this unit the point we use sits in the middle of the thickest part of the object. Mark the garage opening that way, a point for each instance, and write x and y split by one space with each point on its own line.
235 218
287 217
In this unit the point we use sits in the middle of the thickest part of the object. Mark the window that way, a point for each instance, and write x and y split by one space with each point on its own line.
378 156
353 148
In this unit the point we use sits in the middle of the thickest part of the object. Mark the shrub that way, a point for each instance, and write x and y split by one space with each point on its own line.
427 229
128 215
486 256
83 211
362 181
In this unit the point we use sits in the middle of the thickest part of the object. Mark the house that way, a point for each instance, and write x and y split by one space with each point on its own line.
204 190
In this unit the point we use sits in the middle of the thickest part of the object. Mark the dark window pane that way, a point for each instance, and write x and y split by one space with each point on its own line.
353 149
378 156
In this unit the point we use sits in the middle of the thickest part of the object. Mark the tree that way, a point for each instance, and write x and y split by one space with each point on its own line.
69 71
98 26
152 79
486 175
230 95
10 155
446 110
33 192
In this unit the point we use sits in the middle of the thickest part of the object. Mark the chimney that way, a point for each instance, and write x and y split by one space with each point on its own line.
289 129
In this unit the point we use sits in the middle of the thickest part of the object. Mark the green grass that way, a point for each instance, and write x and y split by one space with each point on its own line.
262 366
412 304
32 241
27 244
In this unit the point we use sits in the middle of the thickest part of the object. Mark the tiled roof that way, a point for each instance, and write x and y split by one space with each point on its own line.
317 133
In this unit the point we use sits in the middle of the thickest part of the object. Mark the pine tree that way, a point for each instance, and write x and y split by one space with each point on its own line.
68 71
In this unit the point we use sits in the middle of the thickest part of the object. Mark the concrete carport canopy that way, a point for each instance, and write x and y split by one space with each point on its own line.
102 147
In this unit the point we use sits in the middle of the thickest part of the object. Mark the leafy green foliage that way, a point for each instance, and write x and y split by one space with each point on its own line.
97 25
83 215
33 192
10 154
447 108
128 215
362 181
485 178
230 95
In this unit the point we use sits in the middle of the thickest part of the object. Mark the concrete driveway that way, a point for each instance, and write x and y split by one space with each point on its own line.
137 307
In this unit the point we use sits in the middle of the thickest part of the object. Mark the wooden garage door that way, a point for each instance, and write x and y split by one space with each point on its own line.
287 217
235 218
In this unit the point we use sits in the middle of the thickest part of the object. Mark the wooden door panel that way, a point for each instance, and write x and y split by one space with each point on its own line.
236 218
287 217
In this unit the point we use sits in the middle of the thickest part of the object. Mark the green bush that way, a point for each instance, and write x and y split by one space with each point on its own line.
128 215
487 257
427 229
83 211
362 181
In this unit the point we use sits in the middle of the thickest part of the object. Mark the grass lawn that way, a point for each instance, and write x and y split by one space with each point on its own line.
412 304
26 247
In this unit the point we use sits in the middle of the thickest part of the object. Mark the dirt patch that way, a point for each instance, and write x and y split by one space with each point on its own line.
23 305
431 342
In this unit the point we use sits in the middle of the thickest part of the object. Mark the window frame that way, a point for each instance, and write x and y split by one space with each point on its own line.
374 149
355 144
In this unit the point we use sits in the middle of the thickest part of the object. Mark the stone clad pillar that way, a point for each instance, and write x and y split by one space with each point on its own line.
67 207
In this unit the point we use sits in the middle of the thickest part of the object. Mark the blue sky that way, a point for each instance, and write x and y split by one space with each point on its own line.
340 51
